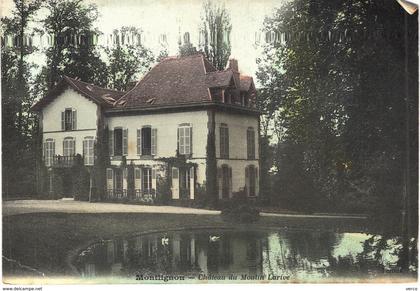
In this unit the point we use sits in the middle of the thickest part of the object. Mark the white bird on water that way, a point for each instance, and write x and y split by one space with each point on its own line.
165 241
214 238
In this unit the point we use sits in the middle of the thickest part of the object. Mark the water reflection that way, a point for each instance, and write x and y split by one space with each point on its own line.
298 254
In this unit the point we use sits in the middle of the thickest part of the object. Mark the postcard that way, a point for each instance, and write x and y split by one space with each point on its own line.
209 142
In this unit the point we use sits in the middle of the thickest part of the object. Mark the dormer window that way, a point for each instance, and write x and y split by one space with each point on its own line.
228 97
244 100
68 119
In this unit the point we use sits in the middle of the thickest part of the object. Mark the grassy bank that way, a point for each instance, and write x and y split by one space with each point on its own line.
43 241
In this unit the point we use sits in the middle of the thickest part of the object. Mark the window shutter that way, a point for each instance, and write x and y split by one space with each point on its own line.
73 147
220 181
181 146
111 142
227 142
139 141
125 141
53 148
154 141
44 154
85 149
191 141
137 178
109 179
64 147
192 183
248 145
154 179
246 181
63 121
178 140
74 119
230 181
175 183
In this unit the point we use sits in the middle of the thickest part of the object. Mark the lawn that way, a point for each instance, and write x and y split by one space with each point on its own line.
44 241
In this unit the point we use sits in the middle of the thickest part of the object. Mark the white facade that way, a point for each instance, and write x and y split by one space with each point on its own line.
165 127
86 121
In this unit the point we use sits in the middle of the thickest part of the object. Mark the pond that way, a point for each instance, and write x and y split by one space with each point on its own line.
232 254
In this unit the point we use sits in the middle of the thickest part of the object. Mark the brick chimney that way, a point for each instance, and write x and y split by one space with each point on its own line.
233 65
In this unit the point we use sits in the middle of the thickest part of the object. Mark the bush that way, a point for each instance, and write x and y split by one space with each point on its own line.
238 210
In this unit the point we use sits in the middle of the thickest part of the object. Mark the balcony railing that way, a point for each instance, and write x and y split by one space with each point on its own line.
146 195
65 161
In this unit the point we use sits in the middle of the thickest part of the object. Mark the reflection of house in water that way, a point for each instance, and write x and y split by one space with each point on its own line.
175 253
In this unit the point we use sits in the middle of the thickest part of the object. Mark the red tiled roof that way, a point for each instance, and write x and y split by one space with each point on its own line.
246 82
179 80
173 81
103 96
219 79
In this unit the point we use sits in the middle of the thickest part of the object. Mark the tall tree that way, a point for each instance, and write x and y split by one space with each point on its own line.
185 47
128 59
70 23
333 76
215 34
18 123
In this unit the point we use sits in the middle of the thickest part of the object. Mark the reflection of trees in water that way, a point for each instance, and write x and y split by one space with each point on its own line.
301 253
380 254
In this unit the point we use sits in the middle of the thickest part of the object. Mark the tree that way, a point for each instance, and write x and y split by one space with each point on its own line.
186 48
215 34
332 82
127 61
73 52
18 123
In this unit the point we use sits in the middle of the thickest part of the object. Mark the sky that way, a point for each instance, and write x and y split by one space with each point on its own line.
175 17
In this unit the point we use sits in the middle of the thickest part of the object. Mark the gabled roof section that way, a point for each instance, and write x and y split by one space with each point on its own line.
247 83
219 78
172 81
99 95
180 80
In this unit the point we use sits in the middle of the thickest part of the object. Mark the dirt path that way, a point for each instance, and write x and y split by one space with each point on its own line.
70 206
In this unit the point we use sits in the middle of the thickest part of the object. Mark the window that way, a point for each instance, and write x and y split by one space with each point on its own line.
244 100
118 142
69 145
68 119
88 150
250 142
49 151
147 141
146 137
251 175
147 179
224 141
228 97
185 139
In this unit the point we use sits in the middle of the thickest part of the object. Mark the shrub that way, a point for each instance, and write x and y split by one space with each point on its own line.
240 210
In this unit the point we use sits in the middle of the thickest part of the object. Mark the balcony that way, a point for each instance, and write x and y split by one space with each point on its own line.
65 161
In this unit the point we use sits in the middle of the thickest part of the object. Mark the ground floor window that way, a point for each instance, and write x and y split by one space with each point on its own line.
88 150
49 151
251 176
226 181
147 179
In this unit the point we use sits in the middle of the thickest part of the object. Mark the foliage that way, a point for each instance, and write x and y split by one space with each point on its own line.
240 210
163 190
211 165
215 30
127 61
73 52
18 124
186 48
334 103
